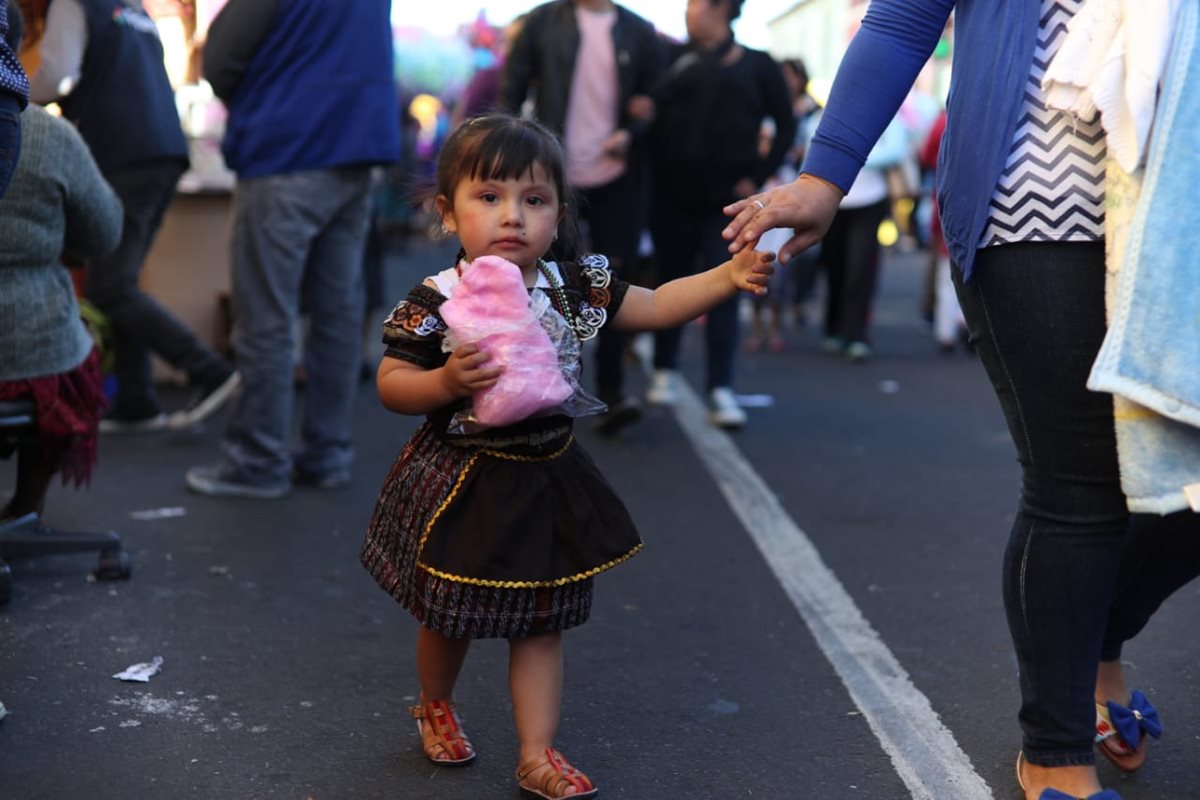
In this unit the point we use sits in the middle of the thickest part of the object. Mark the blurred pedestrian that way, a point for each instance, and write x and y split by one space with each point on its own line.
60 204
589 66
851 254
14 94
498 532
102 62
312 106
1082 575
710 106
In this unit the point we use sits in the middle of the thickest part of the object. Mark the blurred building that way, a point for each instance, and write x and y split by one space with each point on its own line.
818 32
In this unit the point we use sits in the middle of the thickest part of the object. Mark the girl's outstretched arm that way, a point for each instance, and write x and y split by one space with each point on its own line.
684 299
408 389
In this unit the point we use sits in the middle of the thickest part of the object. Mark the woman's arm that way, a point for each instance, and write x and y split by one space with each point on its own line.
893 44
684 299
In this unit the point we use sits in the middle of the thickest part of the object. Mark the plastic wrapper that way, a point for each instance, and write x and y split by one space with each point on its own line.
523 335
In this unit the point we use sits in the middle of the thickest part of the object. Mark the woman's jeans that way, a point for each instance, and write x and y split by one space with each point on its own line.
1081 575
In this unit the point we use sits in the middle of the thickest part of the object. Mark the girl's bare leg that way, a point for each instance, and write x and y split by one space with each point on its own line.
535 679
439 660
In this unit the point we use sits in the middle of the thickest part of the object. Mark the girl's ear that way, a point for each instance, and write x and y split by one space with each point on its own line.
442 203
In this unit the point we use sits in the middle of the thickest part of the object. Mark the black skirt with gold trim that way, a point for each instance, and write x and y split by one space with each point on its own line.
497 535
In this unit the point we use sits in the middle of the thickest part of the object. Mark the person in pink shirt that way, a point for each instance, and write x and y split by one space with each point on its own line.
590 66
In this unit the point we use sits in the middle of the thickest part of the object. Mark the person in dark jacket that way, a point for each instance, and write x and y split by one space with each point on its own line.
589 66
312 107
710 107
102 61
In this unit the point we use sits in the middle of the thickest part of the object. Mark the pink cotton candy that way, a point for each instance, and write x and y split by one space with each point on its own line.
490 308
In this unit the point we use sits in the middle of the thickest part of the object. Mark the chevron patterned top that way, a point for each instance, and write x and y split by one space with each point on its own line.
1052 187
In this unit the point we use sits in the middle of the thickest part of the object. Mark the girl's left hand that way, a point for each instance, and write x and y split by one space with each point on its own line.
750 270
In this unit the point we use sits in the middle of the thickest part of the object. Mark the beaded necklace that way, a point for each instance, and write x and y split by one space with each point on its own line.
558 296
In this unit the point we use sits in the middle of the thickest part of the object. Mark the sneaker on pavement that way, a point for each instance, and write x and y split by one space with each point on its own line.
620 415
154 422
724 410
220 481
858 352
206 401
662 388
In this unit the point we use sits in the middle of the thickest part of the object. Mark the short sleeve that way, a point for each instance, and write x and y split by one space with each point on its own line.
601 293
414 330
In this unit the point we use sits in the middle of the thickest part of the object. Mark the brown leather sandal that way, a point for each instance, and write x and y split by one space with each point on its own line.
556 777
444 743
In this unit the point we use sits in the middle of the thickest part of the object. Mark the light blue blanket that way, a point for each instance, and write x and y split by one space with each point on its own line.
1152 352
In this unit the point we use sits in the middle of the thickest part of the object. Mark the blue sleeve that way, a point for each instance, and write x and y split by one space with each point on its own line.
884 58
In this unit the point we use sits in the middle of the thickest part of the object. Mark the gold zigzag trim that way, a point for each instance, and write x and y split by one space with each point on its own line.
508 584
534 584
530 459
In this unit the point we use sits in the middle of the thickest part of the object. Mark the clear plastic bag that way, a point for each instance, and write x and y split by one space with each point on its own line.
540 355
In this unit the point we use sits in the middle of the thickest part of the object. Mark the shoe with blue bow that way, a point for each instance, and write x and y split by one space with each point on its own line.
1055 794
1121 731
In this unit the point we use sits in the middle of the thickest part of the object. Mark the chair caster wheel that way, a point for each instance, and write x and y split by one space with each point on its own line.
5 584
115 565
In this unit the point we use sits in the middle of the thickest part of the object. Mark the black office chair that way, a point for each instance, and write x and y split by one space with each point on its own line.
26 536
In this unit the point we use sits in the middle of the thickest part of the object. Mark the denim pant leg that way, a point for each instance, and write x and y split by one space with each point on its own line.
722 329
141 326
1037 314
278 222
333 292
1161 556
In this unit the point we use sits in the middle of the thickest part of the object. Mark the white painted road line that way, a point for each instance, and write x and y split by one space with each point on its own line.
922 749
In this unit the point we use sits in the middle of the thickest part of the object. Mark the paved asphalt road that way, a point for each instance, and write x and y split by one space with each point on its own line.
287 672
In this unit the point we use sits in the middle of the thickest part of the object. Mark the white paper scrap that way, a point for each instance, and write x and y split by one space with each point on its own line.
140 673
3 711
158 513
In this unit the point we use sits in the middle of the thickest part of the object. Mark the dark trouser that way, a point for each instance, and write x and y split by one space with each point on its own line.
140 325
850 255
1081 574
613 215
687 242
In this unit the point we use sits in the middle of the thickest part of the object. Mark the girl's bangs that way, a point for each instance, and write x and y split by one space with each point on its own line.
509 154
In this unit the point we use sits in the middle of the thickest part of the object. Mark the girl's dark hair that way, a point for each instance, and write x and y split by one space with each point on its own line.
501 147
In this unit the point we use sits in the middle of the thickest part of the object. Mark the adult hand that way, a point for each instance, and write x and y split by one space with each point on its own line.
807 206
465 373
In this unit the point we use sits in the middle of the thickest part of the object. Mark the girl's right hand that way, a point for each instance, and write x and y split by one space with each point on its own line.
465 374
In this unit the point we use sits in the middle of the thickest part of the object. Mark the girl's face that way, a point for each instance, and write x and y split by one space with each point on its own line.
515 218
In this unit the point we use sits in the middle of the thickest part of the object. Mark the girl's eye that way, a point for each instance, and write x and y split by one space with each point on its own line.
537 201
489 197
